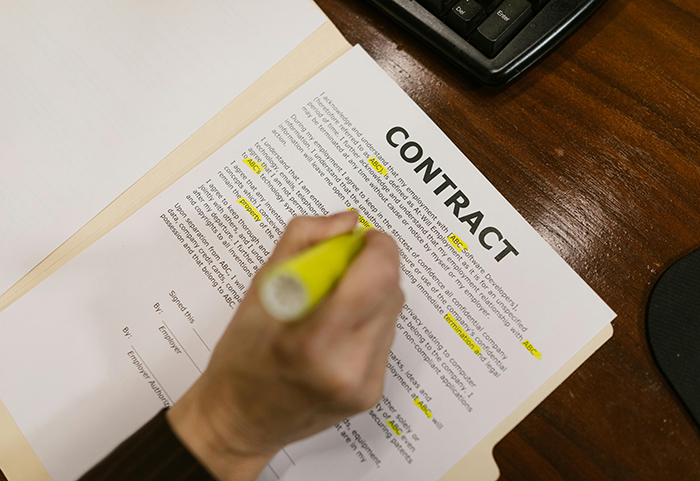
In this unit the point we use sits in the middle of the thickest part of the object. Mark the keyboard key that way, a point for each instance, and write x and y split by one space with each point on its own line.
489 5
465 16
437 7
501 26
538 4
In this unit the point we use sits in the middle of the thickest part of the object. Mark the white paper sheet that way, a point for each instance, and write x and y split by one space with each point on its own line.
94 94
126 327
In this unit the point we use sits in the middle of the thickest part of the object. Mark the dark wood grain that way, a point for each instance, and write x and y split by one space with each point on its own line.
597 147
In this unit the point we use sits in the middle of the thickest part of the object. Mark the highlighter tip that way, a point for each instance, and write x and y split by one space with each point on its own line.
284 297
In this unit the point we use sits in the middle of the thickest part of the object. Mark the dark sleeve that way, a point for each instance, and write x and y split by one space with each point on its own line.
151 453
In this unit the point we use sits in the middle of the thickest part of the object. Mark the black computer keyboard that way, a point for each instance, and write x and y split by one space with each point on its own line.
493 41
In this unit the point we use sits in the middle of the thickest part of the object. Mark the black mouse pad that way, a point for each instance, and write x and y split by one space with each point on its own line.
673 327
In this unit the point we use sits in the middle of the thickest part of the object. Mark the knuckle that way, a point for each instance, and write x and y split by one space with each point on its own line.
400 298
283 351
385 252
385 274
368 400
295 352
383 242
308 353
343 386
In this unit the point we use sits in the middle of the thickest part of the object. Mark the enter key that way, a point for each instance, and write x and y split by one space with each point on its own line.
503 23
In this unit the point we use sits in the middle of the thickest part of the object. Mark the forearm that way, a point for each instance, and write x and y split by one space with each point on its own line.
153 452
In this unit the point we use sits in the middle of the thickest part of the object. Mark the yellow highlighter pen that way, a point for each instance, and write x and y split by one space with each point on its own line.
293 287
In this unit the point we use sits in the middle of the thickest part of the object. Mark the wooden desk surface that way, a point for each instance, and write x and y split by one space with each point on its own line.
598 148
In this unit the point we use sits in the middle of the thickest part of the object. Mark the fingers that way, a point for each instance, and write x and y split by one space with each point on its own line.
304 232
356 363
345 343
380 337
372 300
366 285
368 293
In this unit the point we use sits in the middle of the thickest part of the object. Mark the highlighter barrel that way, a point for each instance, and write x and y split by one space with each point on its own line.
293 287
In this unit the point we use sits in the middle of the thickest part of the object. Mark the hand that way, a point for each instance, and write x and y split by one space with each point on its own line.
271 383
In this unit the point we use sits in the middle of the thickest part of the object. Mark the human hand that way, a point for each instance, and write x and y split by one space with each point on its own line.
271 383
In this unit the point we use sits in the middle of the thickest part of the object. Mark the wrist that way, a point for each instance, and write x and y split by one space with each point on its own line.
203 426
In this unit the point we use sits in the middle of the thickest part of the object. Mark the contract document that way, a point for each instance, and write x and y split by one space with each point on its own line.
126 327
94 94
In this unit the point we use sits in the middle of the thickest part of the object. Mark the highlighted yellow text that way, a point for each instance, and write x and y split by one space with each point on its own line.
394 427
532 349
462 334
249 208
457 243
422 407
377 165
254 166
